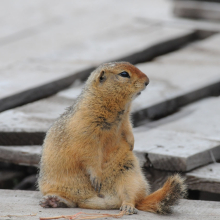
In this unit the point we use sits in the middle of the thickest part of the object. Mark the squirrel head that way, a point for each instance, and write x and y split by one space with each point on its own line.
118 80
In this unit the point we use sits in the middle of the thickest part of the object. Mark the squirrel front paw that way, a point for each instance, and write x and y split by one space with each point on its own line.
95 178
96 183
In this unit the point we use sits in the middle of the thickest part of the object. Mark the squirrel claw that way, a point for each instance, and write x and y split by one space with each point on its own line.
96 184
129 210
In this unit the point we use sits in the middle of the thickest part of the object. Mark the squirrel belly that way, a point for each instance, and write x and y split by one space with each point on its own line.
87 159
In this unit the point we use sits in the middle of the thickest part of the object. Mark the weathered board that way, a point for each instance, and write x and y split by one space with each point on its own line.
206 26
180 78
29 32
40 35
44 27
30 155
51 73
181 142
22 155
209 10
21 203
206 178
185 140
175 80
35 118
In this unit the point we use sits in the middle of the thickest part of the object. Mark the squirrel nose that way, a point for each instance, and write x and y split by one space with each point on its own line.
146 81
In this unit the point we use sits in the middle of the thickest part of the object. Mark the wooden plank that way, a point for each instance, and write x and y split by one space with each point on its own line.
18 202
180 78
197 9
33 38
183 141
45 22
80 56
166 92
60 18
41 13
38 14
25 155
180 142
28 124
206 178
46 15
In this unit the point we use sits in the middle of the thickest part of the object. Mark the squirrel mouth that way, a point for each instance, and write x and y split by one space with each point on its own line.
138 93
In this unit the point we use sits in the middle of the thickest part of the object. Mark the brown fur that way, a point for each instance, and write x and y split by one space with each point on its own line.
87 159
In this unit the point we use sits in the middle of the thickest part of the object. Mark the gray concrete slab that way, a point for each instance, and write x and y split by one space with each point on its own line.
22 203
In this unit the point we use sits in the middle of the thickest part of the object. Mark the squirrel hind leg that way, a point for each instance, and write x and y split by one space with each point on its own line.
54 201
162 200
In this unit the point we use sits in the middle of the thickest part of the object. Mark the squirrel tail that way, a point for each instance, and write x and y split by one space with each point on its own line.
162 200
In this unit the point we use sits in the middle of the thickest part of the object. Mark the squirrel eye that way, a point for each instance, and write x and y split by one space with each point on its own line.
124 74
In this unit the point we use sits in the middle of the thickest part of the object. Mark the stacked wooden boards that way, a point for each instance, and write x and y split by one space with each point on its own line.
190 66
50 74
56 41
181 142
199 9
173 84
184 142
49 51
27 124
52 87
44 27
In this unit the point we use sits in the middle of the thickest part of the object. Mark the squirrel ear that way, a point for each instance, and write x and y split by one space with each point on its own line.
102 76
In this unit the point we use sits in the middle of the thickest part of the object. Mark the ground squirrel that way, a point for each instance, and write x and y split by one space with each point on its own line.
87 159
